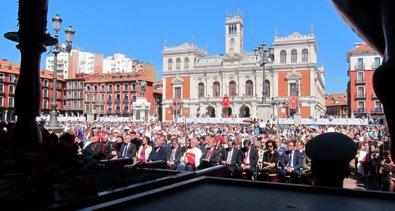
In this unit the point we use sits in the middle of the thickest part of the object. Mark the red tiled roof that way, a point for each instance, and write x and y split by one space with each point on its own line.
362 48
337 99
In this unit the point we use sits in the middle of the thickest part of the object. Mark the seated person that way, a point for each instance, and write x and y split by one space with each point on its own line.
128 149
159 153
290 163
249 157
230 157
387 167
191 158
144 151
174 154
269 161
306 175
210 155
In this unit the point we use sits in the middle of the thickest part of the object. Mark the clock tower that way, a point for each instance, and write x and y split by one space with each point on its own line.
234 34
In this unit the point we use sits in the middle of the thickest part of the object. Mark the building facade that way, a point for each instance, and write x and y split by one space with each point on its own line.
77 62
74 96
118 63
9 73
195 83
114 94
86 94
337 105
363 102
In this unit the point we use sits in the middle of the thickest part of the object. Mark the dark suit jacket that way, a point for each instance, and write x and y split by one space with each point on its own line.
130 151
177 156
92 150
236 159
158 155
253 156
297 160
213 157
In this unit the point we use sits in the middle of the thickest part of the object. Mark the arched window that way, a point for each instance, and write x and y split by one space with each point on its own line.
283 56
294 56
216 89
201 90
232 88
186 63
169 64
249 88
305 55
267 89
178 63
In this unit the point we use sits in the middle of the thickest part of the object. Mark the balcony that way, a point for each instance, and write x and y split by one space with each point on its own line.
117 101
117 112
360 110
359 67
109 111
125 111
360 96
117 90
360 81
377 111
125 100
109 101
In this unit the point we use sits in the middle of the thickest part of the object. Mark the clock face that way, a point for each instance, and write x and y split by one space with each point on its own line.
232 41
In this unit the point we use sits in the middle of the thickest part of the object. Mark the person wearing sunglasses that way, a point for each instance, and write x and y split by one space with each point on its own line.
269 161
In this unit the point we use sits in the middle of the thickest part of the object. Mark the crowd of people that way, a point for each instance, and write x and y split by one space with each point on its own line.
257 150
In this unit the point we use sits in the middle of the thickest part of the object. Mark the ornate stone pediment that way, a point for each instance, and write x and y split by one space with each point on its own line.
295 35
293 76
177 81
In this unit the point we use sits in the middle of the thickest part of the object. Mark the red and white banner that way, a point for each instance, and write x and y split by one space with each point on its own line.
293 102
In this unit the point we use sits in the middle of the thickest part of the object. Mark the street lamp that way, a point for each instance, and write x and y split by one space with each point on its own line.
57 22
266 55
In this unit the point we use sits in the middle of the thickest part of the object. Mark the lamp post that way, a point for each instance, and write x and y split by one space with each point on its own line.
265 55
57 21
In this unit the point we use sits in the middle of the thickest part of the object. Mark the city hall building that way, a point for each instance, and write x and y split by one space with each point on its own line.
196 84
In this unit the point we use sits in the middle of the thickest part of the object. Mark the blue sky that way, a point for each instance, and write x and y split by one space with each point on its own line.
139 29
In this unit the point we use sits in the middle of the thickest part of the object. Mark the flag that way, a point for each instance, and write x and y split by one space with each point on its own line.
225 101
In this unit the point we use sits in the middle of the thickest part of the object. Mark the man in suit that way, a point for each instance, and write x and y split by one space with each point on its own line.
249 157
92 148
230 158
210 154
128 149
159 152
174 154
290 163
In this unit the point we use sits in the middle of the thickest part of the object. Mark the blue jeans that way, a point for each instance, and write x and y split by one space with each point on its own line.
183 167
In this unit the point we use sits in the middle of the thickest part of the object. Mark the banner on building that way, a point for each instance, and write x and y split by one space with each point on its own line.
293 102
225 101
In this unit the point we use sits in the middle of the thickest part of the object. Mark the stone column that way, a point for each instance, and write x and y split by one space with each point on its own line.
32 16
